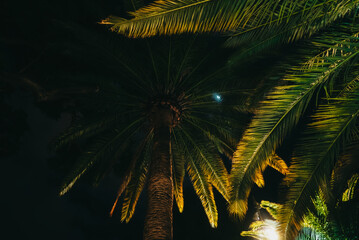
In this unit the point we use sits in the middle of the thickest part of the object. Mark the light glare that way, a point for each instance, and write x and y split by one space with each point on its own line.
217 97
270 233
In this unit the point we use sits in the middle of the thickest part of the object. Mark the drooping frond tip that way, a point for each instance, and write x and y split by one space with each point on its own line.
238 208
272 208
66 187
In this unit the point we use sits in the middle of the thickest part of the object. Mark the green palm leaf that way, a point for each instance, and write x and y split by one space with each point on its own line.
212 166
136 184
178 16
315 156
278 114
179 162
104 149
352 185
204 191
256 39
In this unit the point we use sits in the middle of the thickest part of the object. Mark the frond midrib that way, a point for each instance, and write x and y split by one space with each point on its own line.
153 15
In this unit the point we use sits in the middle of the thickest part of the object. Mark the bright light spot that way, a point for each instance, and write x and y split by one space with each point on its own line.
217 97
270 233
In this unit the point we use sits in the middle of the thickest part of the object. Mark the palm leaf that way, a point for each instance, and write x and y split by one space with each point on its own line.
278 164
84 129
211 165
179 161
204 191
297 27
178 16
278 114
104 148
318 218
131 168
344 168
314 159
136 184
259 229
348 194
272 208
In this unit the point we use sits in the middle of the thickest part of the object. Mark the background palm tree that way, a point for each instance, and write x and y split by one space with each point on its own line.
162 113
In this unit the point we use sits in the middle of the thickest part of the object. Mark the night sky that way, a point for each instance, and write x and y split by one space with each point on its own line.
31 176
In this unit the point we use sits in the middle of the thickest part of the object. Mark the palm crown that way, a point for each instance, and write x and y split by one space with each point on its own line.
158 120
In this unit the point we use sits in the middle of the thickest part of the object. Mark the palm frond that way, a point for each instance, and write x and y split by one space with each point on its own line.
258 178
318 218
136 185
86 129
211 165
278 114
131 168
299 26
178 16
204 191
314 157
348 194
179 162
272 208
344 168
278 164
103 148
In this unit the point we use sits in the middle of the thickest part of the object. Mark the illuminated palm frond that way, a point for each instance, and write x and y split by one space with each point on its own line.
256 39
340 221
278 164
179 163
272 208
210 163
178 16
279 113
348 194
203 167
346 166
136 184
318 218
331 127
204 191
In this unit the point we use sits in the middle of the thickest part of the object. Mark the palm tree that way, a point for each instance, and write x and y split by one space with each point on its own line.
297 94
156 115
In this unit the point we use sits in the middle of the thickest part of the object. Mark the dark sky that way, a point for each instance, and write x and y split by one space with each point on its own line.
32 207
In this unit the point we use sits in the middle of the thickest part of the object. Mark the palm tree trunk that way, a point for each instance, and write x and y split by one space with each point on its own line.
158 222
